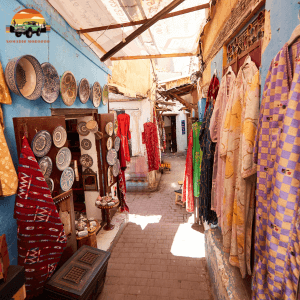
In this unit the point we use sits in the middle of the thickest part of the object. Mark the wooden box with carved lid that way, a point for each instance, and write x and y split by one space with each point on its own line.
81 277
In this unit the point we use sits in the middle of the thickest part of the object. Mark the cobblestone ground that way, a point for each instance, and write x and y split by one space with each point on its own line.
159 255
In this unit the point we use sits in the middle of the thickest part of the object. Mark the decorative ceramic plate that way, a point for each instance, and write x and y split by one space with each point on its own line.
63 158
67 179
81 129
109 143
86 160
59 136
41 143
116 126
110 178
116 168
50 90
109 128
84 90
111 157
45 165
24 77
50 184
86 144
117 143
92 126
105 95
96 94
68 88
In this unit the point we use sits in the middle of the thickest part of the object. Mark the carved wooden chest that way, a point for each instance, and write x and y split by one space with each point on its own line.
81 277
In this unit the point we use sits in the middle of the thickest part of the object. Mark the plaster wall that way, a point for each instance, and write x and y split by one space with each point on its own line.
65 52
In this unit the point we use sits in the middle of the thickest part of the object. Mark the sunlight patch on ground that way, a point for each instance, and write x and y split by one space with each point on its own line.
174 185
188 242
143 221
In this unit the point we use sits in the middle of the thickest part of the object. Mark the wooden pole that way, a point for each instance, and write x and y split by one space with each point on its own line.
152 56
141 29
140 22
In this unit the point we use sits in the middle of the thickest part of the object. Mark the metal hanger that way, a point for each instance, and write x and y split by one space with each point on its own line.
248 60
229 70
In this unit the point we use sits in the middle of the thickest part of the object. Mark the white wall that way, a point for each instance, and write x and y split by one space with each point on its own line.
181 138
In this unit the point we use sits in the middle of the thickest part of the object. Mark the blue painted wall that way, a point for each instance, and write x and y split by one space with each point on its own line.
284 19
217 63
66 52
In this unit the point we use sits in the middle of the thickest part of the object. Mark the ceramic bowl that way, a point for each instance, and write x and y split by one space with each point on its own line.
24 76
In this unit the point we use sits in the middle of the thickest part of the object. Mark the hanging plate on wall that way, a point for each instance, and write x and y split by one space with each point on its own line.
105 95
68 88
45 165
109 143
81 129
116 168
59 136
50 184
96 94
24 76
117 143
111 157
67 179
109 128
41 143
86 160
116 126
84 90
86 144
63 158
50 90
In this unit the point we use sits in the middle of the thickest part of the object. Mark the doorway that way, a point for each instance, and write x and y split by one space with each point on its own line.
170 129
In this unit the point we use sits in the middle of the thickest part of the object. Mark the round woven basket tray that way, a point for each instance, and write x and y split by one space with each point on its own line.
108 207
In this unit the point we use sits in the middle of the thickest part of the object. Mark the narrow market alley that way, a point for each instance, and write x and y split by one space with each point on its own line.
159 255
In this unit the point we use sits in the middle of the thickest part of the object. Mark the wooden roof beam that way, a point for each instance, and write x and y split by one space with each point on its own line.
140 22
152 56
141 29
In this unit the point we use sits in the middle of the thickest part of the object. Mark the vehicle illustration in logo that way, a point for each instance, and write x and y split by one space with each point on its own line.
28 22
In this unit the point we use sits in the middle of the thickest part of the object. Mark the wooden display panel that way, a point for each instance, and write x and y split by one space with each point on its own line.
33 125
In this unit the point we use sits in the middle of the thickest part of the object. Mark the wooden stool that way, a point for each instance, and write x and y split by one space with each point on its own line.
176 197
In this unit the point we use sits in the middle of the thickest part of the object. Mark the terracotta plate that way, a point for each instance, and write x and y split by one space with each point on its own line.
112 157
81 129
86 160
96 94
116 126
105 95
84 90
117 143
109 143
109 128
50 90
50 184
59 136
45 165
67 179
41 143
116 168
63 158
68 88
86 144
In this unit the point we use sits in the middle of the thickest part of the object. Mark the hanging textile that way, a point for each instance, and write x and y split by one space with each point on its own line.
277 154
122 188
201 108
150 139
208 151
124 134
212 91
215 128
164 138
237 139
41 236
4 91
187 190
197 157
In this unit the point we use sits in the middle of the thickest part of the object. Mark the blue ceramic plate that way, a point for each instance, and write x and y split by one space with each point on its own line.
63 158
45 164
67 179
41 143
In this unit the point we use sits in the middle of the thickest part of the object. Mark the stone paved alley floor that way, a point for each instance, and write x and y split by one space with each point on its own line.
159 255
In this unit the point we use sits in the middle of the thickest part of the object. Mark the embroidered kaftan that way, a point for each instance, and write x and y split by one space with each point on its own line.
215 128
239 127
124 134
277 244
187 191
197 157
208 150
